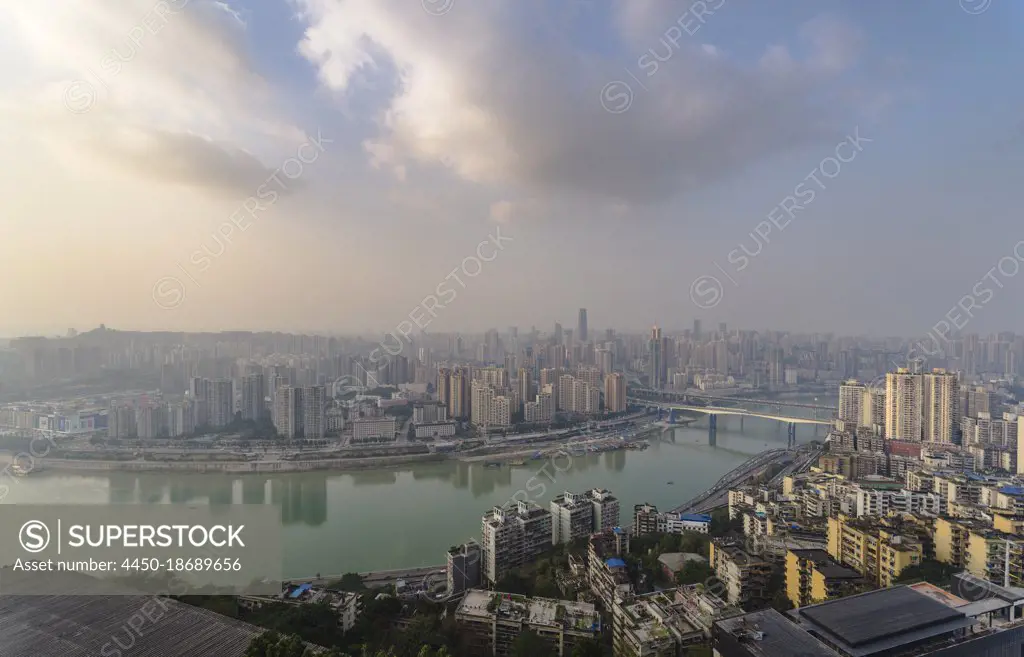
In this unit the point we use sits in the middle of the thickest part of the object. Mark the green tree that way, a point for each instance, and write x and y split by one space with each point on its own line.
694 572
930 570
272 644
352 582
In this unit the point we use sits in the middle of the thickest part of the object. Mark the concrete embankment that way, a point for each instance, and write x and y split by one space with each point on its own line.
227 467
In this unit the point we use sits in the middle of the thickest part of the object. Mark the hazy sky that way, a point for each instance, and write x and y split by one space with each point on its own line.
132 131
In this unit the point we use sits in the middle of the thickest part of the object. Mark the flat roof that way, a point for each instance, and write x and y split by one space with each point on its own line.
780 637
85 626
881 619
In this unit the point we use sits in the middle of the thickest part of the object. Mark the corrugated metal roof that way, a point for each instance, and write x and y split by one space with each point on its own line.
140 626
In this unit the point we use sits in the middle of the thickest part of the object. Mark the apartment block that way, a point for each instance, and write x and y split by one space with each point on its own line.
572 517
878 551
491 621
812 576
607 573
463 567
513 535
645 519
744 576
655 625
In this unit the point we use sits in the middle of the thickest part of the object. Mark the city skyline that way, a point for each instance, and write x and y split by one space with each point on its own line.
640 160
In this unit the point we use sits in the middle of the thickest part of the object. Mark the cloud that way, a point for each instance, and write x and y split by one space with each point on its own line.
502 104
163 89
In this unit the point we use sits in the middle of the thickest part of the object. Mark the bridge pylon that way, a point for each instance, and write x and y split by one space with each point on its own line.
712 429
791 442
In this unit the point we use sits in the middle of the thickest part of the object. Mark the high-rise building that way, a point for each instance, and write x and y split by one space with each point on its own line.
121 422
460 393
463 568
526 389
513 535
314 406
572 517
940 407
581 326
222 402
199 392
606 509
657 365
851 403
615 393
696 330
253 398
903 405
288 411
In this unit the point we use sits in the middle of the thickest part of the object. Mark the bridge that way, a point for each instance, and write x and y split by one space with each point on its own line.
718 494
683 396
714 411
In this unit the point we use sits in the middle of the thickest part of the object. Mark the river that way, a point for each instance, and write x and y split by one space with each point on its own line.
408 516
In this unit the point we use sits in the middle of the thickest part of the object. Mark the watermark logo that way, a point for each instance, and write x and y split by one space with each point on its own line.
437 7
975 7
34 536
707 291
617 96
169 292
80 95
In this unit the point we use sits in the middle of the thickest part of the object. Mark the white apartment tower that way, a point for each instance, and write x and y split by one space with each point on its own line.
615 393
851 403
940 406
903 405
513 535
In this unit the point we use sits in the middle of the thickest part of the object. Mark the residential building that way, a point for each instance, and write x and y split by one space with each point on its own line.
645 519
490 622
677 523
222 402
607 573
314 404
429 413
812 576
606 509
615 392
463 567
878 551
254 405
513 535
572 517
940 407
288 411
903 405
655 625
744 576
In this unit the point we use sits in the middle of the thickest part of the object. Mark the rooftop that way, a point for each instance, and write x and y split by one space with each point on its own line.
769 634
881 620
566 614
83 626
676 560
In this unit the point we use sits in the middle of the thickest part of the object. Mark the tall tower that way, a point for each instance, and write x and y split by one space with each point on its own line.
657 370
903 405
940 406
581 326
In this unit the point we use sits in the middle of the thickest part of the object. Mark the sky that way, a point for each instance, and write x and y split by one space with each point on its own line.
326 165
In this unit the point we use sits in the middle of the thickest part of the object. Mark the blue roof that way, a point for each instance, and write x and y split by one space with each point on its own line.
299 591
695 517
975 477
618 530
1012 490
615 562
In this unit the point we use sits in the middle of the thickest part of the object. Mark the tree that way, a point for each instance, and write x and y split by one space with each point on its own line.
272 644
929 570
352 582
694 572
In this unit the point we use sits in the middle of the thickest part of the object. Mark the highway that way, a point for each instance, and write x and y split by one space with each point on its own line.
718 495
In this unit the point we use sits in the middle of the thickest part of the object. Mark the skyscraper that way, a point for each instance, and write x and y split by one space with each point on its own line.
696 330
253 404
657 365
615 393
222 402
903 404
314 401
581 326
851 403
940 406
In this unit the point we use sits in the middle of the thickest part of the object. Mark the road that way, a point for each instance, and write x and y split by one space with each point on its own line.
718 495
